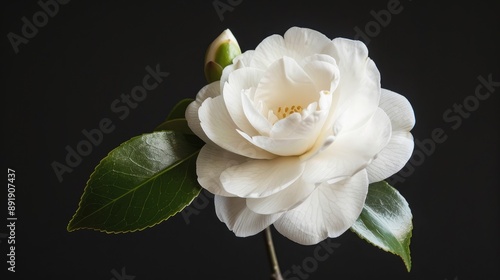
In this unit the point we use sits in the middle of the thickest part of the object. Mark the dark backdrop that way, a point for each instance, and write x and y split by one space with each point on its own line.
81 59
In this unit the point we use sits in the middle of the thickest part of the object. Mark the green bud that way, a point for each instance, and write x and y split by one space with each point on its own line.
220 54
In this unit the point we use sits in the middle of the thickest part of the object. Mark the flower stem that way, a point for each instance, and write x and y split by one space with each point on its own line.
272 255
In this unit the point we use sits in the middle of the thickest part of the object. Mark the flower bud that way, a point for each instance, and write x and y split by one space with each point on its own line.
220 54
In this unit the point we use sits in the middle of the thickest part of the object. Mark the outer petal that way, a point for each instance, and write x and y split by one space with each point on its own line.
297 43
328 212
220 128
351 151
398 109
209 91
399 149
303 42
357 95
269 50
211 162
283 200
260 178
392 158
238 218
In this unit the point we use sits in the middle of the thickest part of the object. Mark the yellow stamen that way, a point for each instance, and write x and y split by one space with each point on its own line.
286 111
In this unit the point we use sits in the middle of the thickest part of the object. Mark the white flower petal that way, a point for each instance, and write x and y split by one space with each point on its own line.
303 42
211 162
310 128
392 158
351 151
398 109
328 212
239 81
324 141
293 135
220 128
282 147
306 125
297 43
399 149
286 84
209 91
268 51
323 71
283 200
358 92
260 178
239 219
241 61
258 121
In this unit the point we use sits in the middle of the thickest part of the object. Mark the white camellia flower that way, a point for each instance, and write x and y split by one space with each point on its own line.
295 131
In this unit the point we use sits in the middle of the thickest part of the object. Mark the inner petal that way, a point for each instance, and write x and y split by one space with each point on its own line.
310 122
286 88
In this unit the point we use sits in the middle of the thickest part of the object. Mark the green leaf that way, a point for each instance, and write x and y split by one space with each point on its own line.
386 221
179 125
139 184
179 110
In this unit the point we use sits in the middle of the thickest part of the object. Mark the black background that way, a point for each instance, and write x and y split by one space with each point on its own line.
66 77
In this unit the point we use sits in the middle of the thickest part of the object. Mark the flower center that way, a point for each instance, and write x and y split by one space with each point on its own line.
285 111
